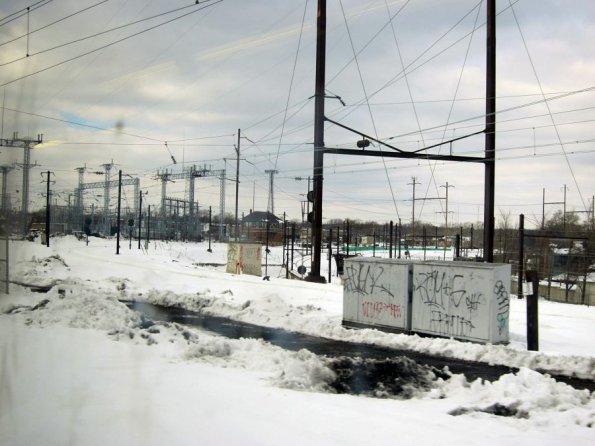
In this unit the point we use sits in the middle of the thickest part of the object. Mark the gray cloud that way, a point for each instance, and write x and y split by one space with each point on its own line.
229 67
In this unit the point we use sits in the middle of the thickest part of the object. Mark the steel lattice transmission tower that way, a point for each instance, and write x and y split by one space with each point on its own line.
191 174
5 195
27 144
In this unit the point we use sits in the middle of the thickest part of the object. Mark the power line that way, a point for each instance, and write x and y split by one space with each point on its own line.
547 105
22 12
108 45
297 53
158 141
366 44
433 167
390 186
399 75
82 39
505 110
80 124
477 98
53 23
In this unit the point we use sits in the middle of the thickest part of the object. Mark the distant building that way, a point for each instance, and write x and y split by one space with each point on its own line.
254 228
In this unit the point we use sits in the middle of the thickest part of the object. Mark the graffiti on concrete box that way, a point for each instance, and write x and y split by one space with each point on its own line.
375 293
463 300
470 302
244 258
448 301
366 279
503 307
452 308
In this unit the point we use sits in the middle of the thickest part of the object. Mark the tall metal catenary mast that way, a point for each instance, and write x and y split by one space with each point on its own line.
314 275
5 197
235 232
490 135
488 160
27 144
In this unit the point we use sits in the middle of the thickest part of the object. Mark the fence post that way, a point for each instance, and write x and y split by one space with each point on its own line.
520 271
532 311
390 240
330 253
292 243
399 236
457 246
374 244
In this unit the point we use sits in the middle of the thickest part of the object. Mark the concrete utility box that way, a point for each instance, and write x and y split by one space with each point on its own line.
376 293
468 301
244 258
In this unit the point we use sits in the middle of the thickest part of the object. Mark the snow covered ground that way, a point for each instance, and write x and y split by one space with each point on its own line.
78 367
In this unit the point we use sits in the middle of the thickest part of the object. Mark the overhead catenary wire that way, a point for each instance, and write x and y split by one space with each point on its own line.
394 34
365 100
81 124
284 147
410 68
498 112
450 111
53 23
547 106
92 36
366 96
102 47
297 53
22 12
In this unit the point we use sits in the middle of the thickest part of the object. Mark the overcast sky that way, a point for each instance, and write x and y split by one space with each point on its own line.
183 90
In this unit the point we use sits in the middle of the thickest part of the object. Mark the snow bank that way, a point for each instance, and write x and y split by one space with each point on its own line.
84 299
526 394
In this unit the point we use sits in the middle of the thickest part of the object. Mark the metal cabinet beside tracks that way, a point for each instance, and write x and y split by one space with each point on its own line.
461 300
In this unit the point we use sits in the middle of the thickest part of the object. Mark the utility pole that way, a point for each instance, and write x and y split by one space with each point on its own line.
413 183
210 223
148 225
140 215
446 218
490 134
271 203
237 185
319 94
47 209
119 205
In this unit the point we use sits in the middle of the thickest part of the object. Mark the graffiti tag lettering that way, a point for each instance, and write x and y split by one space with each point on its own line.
365 280
375 310
503 301
450 306
442 291
450 324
